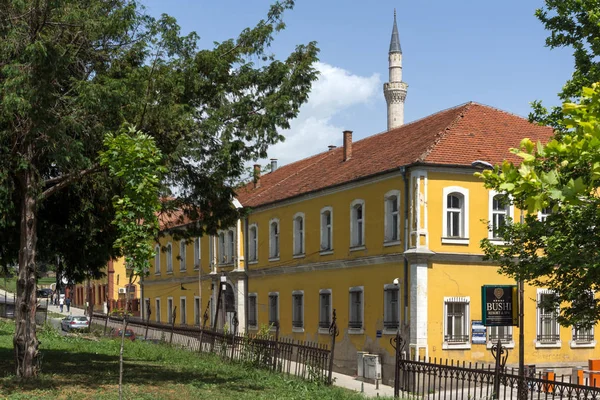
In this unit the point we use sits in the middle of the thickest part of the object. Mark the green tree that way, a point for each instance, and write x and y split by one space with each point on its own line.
561 250
574 24
71 72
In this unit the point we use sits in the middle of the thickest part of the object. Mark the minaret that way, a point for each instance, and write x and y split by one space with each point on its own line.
395 89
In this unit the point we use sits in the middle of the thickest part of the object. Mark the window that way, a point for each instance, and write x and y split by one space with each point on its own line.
169 310
252 310
392 217
253 243
583 336
226 247
157 259
231 253
298 311
544 213
197 311
183 311
197 254
504 333
455 218
548 330
274 239
357 225
299 234
324 310
221 250
157 310
169 254
355 320
274 308
456 321
391 308
182 246
500 211
326 229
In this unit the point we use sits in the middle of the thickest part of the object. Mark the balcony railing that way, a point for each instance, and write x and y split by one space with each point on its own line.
391 324
503 338
548 338
355 324
583 337
456 338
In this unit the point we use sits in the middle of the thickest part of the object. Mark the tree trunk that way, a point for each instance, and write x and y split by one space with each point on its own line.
25 340
125 320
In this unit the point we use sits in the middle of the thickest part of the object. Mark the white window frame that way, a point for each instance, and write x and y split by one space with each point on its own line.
299 253
157 260
274 240
578 343
221 247
253 244
330 317
326 230
255 324
226 240
169 310
509 344
388 220
157 309
183 310
298 329
231 246
276 294
197 311
386 305
545 344
169 257
464 216
509 214
543 213
197 253
182 255
357 227
355 330
447 345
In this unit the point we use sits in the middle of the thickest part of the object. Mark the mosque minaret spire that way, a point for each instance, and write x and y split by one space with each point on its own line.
395 89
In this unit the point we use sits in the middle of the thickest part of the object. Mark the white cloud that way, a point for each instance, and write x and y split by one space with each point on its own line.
335 91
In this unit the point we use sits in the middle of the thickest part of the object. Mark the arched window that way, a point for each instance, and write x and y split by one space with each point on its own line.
326 229
169 254
357 223
500 211
392 216
299 234
274 239
157 259
253 243
182 261
455 215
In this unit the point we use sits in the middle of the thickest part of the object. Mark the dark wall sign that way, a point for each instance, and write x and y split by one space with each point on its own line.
499 305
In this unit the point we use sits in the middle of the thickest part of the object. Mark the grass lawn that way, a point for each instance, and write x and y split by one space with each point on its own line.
78 368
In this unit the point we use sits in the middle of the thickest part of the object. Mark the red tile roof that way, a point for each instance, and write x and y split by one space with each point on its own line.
456 136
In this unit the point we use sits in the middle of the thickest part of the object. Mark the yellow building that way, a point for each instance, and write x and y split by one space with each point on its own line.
385 231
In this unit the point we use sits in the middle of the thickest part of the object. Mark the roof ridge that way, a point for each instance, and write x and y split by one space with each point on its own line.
502 111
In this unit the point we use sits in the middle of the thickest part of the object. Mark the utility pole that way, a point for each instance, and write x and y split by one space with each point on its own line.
223 289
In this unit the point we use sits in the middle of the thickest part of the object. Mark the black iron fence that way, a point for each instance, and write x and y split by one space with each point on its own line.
308 360
443 379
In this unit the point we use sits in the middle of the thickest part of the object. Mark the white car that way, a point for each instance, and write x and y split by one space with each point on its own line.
74 322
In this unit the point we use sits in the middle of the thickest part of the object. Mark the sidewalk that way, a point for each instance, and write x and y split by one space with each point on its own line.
369 389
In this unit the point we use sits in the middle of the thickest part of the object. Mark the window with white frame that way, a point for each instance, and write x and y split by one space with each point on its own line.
327 229
297 309
157 259
197 253
197 311
182 261
231 253
299 234
274 308
584 334
357 223
548 330
182 311
226 247
221 249
392 216
157 310
253 243
502 333
274 239
391 307
169 310
324 308
169 255
500 211
544 213
252 310
456 320
355 318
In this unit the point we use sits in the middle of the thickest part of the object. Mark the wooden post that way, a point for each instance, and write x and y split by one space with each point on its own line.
148 312
173 324
333 332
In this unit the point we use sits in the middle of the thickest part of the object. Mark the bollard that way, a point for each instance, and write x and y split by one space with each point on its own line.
362 387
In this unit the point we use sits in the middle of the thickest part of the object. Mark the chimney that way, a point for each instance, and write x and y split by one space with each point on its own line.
273 164
331 147
347 145
256 175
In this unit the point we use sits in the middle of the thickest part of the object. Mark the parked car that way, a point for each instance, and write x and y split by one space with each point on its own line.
74 322
129 334
44 293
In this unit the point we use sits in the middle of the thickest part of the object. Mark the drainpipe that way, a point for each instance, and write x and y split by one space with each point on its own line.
406 238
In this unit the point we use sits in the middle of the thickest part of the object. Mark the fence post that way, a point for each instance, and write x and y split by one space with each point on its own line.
148 312
398 344
107 317
500 354
276 350
235 322
173 324
204 319
333 332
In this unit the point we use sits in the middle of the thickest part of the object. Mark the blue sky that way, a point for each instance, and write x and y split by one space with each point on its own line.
453 52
